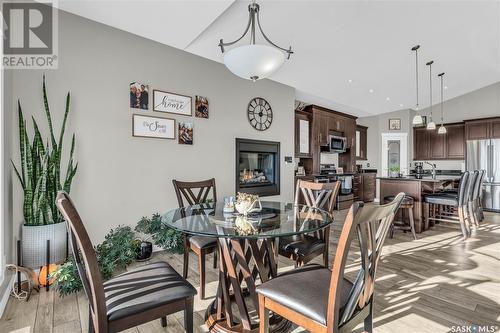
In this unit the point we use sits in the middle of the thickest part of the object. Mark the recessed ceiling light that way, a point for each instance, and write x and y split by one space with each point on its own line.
445 87
401 105
370 91
387 98
349 81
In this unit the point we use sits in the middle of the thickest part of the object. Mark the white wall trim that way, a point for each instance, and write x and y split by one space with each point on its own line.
6 294
403 138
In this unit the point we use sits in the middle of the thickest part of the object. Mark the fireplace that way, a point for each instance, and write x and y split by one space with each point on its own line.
257 167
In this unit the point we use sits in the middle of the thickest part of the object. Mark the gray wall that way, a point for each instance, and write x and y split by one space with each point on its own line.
121 178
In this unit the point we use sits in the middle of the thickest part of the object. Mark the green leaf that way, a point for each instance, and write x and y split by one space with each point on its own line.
47 113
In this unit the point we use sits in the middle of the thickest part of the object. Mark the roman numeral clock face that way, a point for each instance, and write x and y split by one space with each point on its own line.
260 114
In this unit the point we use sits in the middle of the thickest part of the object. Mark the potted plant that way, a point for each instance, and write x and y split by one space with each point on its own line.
40 177
394 171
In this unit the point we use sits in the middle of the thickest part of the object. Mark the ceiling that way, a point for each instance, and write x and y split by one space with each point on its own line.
352 56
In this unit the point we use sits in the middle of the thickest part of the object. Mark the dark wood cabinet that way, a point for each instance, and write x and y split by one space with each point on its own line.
363 186
429 145
437 145
455 141
361 142
482 129
302 135
323 129
420 144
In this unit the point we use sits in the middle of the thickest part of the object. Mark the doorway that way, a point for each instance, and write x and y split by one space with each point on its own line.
394 153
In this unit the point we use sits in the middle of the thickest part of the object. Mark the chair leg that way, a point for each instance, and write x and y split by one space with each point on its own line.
201 268
412 222
426 215
461 217
263 316
392 230
215 259
368 324
186 258
188 316
91 322
325 256
472 213
164 321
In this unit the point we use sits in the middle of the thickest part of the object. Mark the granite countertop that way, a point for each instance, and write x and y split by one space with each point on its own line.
424 179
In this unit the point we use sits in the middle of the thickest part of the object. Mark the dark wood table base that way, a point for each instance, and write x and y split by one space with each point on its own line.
242 260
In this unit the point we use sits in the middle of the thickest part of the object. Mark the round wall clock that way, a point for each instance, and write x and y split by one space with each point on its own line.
260 114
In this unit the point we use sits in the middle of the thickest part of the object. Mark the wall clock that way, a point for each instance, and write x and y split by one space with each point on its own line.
260 114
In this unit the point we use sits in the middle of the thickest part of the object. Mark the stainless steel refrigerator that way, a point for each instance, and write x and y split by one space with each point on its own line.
485 155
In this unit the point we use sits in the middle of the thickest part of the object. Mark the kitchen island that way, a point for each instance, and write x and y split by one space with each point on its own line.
415 188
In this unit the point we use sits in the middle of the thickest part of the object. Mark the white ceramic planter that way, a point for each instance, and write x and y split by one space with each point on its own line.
34 244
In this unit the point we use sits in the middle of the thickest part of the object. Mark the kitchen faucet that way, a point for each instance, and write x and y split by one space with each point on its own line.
433 169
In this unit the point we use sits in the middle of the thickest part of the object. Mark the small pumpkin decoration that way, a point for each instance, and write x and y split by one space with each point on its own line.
42 277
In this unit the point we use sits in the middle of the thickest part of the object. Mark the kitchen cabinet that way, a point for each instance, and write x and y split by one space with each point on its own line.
302 135
482 129
361 142
455 141
429 145
323 129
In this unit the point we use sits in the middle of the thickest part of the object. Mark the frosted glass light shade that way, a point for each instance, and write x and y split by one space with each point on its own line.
417 120
253 62
431 125
442 129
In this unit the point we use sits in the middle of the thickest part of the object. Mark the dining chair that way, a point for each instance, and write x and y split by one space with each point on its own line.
192 193
320 300
458 202
303 248
135 297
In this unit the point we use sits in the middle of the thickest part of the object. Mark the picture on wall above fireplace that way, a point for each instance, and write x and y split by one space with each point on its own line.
257 167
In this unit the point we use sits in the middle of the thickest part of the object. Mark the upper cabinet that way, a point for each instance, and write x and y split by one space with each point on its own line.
302 135
429 145
482 129
361 142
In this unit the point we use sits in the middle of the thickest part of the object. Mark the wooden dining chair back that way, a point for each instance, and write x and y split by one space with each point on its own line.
324 301
370 225
193 193
303 248
89 271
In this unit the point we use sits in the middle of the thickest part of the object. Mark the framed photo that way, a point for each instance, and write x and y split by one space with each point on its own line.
201 107
139 96
395 124
185 133
164 101
153 127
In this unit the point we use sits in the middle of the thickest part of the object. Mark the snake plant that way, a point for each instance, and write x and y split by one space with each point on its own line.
40 170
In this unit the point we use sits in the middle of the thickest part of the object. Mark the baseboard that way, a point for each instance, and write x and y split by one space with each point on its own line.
6 293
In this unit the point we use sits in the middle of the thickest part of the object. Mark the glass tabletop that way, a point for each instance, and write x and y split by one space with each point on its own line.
276 219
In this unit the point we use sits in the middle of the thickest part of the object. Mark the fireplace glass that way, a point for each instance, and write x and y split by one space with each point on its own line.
256 169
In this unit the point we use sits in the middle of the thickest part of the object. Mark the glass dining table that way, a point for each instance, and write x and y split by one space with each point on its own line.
248 250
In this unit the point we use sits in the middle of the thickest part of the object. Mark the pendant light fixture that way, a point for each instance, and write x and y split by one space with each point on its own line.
254 61
442 129
417 120
431 125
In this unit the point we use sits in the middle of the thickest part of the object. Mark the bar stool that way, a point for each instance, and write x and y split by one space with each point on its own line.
407 204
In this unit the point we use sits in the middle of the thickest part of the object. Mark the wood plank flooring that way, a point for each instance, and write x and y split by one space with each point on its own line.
427 285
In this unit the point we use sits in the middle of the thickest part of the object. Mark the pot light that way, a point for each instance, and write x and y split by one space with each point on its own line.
370 91
401 105
349 81
387 99
253 61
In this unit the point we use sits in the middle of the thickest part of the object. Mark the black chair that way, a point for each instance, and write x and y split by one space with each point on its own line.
458 202
409 225
138 296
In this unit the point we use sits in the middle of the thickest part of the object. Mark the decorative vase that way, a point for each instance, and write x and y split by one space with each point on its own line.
34 244
245 207
244 226
145 251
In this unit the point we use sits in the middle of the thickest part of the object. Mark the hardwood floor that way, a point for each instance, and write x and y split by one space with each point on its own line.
427 285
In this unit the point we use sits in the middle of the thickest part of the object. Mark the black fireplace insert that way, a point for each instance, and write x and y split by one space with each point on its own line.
257 167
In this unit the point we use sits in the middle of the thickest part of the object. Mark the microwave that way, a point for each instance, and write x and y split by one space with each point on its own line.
337 144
